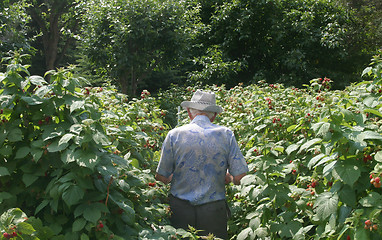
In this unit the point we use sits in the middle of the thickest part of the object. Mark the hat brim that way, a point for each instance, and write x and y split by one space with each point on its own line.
201 106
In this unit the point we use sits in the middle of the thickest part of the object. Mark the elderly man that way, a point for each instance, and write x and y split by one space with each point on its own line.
198 159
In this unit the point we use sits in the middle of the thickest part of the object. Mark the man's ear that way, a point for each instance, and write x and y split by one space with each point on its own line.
189 114
213 118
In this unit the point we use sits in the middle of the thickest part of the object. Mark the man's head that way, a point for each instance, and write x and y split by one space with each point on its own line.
202 103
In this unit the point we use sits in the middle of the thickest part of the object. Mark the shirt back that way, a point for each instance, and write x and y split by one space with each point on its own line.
198 155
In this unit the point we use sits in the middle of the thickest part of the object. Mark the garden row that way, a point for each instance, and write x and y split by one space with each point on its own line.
78 162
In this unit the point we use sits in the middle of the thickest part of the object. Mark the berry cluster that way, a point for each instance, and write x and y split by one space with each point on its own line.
367 158
152 184
370 226
9 235
145 94
269 103
99 226
273 86
376 181
325 82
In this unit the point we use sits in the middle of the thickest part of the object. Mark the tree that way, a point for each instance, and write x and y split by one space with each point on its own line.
56 22
129 39
285 41
13 29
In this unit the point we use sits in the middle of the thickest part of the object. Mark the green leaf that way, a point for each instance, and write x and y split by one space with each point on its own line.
77 105
76 128
347 173
101 139
325 205
4 196
69 155
315 159
289 229
367 71
29 179
4 171
84 237
371 102
347 195
309 143
322 129
373 111
25 228
6 150
261 232
34 100
78 224
361 234
86 158
36 153
292 127
291 148
369 135
372 200
37 80
56 146
15 135
378 157
328 168
73 195
22 152
92 214
66 138
41 206
245 234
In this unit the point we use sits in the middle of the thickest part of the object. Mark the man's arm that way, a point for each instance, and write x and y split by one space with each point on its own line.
163 179
237 179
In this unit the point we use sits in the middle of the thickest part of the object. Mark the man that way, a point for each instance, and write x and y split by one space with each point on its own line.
195 159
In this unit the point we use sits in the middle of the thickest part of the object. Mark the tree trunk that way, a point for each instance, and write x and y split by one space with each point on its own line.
134 82
123 83
52 45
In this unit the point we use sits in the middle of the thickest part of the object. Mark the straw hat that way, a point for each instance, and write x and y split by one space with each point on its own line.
203 101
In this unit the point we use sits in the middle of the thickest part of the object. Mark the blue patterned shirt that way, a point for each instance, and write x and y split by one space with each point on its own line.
198 155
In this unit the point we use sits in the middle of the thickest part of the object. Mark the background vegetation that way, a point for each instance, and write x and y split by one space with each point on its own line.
151 44
90 88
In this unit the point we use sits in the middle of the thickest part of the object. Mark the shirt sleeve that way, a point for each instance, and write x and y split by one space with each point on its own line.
236 161
166 162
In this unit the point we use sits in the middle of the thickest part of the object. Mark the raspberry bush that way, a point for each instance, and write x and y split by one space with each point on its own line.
78 162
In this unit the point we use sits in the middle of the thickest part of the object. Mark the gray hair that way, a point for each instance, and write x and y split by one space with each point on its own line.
195 112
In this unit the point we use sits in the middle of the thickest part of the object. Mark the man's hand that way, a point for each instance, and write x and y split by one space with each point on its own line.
228 178
163 179
237 179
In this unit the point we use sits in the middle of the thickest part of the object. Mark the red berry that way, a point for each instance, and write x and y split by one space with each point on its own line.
371 176
348 237
377 180
14 234
368 222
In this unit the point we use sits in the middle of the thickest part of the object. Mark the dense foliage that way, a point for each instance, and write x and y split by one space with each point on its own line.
73 158
150 44
78 162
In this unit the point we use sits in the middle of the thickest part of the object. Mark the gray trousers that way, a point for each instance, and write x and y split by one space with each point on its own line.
210 217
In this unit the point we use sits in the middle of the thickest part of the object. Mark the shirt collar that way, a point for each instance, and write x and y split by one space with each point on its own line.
201 118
